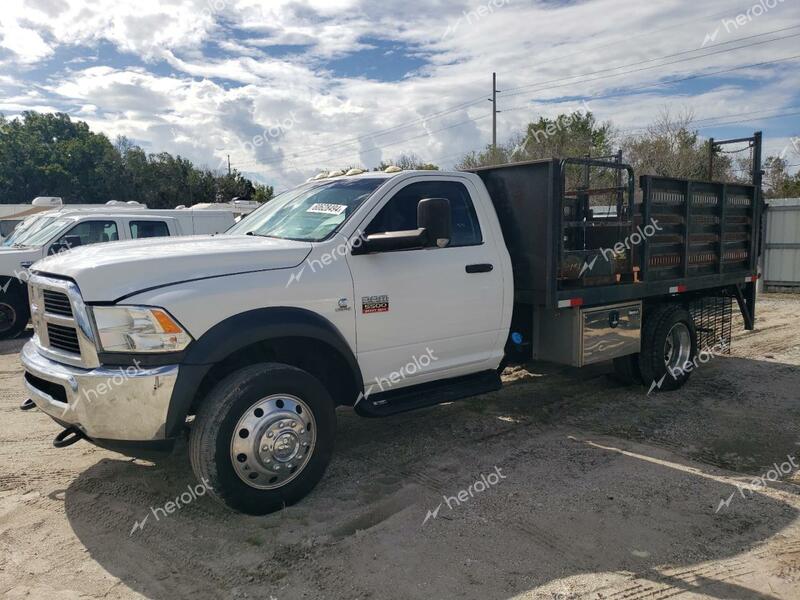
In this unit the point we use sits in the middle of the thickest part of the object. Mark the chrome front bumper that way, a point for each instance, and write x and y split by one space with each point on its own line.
129 404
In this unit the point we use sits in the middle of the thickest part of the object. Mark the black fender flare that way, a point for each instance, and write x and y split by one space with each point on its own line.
243 330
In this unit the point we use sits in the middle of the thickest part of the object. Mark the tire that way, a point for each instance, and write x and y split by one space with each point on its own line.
669 341
626 370
14 310
283 407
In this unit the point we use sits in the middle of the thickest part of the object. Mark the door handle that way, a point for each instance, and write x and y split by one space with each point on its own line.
479 268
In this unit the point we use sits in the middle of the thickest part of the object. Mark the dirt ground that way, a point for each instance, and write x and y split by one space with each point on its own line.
571 486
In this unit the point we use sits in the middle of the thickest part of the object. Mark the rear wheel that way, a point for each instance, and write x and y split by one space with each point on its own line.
669 348
14 311
263 437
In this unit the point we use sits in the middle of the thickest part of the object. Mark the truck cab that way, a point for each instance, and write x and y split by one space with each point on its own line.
342 292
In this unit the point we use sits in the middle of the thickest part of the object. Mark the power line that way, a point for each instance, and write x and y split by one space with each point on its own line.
676 80
544 86
792 114
473 102
757 116
277 161
658 84
745 113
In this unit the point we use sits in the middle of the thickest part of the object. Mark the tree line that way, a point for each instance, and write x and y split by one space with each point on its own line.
669 147
51 155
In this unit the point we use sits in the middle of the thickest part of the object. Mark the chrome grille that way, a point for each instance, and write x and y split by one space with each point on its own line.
61 324
56 303
63 338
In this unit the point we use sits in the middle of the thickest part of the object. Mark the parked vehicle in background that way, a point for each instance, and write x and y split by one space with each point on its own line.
59 230
7 227
385 292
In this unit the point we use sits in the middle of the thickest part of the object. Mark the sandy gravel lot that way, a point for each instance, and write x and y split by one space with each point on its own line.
606 493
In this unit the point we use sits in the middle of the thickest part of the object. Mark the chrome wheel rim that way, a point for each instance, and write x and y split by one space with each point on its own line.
678 347
273 441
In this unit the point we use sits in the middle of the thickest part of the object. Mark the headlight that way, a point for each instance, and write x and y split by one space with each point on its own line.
138 329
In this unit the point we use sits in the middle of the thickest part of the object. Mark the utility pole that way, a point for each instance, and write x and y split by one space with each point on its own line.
711 146
493 100
229 164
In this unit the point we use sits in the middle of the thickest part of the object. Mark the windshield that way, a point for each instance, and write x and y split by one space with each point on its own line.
25 228
309 213
43 233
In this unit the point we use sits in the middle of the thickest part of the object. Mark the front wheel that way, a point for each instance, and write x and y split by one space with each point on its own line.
14 311
263 437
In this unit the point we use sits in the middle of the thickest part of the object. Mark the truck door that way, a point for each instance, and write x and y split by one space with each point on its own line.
84 233
443 303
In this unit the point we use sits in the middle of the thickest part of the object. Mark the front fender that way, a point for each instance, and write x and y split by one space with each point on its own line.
241 331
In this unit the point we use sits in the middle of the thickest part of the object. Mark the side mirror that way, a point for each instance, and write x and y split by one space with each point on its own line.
433 215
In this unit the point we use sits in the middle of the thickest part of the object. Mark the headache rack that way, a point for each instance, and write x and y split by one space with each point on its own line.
581 232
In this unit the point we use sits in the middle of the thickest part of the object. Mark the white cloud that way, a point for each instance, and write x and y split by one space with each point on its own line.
228 84
25 43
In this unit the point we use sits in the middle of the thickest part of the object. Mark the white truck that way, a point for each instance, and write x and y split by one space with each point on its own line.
55 231
382 292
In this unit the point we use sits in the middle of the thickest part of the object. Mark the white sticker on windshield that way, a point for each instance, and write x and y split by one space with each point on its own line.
327 209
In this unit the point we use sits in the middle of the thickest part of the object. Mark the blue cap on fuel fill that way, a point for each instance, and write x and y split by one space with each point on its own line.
516 337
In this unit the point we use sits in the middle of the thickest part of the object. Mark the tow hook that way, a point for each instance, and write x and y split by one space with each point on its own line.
27 405
68 437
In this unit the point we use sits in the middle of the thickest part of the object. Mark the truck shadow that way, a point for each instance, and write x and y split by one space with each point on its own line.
14 346
571 502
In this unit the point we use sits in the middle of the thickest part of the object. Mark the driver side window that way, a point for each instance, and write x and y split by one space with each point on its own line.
400 213
90 232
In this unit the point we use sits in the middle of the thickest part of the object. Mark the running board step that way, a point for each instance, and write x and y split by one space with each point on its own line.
392 402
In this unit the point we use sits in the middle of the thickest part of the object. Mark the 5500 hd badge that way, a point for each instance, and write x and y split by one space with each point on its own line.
374 304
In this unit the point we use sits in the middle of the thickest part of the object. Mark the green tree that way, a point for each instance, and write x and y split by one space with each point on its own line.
408 162
777 181
671 148
571 134
263 193
51 155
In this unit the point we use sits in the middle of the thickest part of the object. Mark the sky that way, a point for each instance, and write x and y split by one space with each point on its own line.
288 88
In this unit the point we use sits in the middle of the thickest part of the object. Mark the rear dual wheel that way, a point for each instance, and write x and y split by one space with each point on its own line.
669 348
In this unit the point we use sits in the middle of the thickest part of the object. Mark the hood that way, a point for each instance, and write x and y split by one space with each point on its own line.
14 262
109 271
